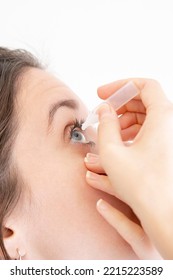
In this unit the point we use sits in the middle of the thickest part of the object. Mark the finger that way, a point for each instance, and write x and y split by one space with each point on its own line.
129 119
130 124
110 143
108 89
93 163
133 105
151 92
100 182
108 125
131 232
130 132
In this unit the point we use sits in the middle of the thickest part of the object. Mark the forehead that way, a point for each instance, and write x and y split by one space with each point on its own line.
38 85
37 92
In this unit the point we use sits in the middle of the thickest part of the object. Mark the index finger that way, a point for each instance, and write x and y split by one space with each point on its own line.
151 92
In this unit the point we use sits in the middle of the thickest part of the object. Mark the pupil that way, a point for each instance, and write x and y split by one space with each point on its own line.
77 135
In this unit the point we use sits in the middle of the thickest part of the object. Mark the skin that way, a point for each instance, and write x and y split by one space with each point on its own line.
56 216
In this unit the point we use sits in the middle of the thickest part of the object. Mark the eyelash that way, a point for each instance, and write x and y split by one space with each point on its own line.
78 124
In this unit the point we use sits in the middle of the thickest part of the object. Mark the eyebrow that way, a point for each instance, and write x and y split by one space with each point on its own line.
68 103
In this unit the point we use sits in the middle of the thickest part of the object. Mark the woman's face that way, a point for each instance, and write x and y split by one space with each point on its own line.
56 217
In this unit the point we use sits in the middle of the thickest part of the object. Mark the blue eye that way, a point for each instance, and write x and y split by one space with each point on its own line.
78 136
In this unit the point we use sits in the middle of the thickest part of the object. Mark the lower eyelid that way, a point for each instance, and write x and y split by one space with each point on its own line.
86 147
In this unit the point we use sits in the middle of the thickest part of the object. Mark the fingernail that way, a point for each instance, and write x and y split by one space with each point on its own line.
101 204
91 158
91 175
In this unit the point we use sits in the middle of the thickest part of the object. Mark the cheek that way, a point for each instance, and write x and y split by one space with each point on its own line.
74 189
73 175
69 197
74 171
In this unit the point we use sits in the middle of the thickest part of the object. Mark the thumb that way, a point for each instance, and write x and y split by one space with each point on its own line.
113 152
109 135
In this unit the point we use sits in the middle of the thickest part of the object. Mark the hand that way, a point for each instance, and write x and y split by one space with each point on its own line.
129 230
131 115
141 174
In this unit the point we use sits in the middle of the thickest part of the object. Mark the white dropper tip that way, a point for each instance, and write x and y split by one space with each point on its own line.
90 120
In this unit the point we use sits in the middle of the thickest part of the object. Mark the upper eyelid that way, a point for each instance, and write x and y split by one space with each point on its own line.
70 104
78 123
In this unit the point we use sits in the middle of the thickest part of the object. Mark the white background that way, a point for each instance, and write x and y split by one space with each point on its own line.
88 43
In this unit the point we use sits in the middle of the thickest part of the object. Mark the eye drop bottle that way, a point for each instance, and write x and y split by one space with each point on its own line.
116 100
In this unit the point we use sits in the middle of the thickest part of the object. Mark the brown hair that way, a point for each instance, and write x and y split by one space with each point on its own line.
13 63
